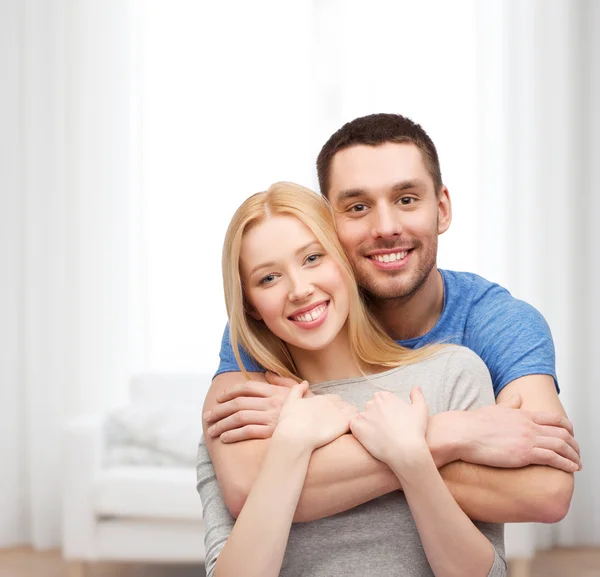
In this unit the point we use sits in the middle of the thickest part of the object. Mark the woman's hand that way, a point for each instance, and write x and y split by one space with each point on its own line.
392 430
314 421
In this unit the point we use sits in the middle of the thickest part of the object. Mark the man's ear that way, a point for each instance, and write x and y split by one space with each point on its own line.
444 210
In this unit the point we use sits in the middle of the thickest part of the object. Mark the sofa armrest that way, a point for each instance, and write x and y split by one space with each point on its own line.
83 448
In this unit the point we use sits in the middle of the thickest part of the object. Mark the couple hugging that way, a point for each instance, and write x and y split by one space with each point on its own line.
372 414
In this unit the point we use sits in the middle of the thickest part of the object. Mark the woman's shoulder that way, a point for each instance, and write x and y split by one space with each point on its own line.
461 354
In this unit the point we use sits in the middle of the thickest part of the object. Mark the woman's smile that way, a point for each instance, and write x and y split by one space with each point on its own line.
311 317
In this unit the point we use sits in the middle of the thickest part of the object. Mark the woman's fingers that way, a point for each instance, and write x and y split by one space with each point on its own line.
416 395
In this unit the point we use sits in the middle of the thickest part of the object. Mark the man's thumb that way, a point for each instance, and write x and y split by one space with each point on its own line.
275 379
513 402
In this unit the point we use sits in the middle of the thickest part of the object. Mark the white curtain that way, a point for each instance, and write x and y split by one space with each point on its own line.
65 186
539 143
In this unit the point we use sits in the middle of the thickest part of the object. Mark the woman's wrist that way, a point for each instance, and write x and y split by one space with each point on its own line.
412 461
445 437
289 438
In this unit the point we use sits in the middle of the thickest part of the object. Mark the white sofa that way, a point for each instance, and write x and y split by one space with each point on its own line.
132 512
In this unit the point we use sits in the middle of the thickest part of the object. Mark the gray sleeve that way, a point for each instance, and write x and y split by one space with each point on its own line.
467 383
468 386
495 534
218 522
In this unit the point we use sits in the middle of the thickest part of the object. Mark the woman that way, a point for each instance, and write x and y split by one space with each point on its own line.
294 306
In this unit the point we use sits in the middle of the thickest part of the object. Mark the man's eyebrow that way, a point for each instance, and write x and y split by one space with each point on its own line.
351 193
407 184
271 263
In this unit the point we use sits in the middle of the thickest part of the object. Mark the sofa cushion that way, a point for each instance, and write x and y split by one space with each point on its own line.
147 492
164 433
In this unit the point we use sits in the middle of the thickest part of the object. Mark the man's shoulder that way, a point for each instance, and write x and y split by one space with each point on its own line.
471 292
471 282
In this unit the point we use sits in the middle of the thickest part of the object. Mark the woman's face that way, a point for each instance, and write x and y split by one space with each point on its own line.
292 284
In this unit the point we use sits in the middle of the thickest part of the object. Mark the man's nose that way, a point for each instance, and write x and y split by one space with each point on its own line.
386 222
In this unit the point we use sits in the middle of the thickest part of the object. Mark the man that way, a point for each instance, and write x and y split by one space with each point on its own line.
512 462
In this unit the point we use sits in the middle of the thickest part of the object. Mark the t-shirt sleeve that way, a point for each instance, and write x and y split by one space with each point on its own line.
218 522
227 360
511 336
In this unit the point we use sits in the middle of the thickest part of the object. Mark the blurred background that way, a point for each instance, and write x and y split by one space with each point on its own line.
130 130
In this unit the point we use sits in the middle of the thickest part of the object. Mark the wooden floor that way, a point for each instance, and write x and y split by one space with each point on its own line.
26 563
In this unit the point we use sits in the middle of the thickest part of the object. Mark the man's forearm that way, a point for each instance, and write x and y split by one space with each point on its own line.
343 475
528 494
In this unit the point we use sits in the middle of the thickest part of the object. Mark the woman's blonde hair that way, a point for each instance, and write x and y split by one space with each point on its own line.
369 343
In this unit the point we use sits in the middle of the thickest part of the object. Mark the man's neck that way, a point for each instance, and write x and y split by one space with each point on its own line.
415 315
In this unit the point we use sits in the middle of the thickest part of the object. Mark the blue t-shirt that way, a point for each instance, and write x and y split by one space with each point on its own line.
511 336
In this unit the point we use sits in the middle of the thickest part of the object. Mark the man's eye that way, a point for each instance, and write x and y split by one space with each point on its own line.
358 208
405 200
267 279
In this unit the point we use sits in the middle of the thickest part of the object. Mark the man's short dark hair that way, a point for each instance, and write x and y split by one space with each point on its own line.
374 130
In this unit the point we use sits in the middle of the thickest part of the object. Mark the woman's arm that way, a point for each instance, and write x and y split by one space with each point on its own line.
453 544
257 543
394 431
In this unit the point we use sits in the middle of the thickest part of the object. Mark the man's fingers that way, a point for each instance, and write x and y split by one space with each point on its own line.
549 457
559 447
248 389
560 433
222 410
280 381
238 420
247 432
552 419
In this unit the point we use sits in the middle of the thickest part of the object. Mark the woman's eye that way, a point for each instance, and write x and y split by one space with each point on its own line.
313 258
267 279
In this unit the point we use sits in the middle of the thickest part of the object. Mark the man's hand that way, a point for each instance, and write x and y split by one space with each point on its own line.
504 435
249 410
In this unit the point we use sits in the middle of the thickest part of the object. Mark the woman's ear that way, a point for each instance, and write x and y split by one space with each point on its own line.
254 314
252 311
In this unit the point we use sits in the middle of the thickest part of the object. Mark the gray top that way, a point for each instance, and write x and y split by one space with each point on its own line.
378 537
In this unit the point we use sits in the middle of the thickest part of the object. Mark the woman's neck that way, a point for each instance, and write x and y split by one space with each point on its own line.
332 363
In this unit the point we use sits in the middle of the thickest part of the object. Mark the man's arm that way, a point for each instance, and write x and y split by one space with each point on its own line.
343 474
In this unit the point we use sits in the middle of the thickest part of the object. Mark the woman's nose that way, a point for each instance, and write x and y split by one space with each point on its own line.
300 290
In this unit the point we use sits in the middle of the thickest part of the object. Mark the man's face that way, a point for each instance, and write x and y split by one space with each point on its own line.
388 216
